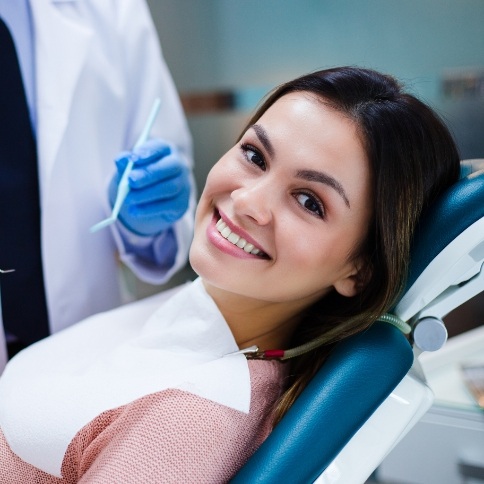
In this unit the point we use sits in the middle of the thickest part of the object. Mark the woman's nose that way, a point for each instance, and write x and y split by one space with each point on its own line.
254 201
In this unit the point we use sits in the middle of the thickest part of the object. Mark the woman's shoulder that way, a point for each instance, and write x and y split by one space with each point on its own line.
267 371
268 380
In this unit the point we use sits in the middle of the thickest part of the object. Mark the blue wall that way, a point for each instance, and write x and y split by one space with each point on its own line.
225 43
241 44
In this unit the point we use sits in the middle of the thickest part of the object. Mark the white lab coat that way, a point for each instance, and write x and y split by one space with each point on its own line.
98 70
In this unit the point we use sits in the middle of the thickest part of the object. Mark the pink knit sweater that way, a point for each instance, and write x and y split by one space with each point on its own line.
167 437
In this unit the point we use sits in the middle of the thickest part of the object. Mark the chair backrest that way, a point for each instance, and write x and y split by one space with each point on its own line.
364 369
355 379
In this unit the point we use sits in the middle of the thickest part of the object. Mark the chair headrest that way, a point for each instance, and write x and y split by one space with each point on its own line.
448 249
456 210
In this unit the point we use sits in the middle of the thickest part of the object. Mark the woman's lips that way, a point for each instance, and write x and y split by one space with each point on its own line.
235 239
231 239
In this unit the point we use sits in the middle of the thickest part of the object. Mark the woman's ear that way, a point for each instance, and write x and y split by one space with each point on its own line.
356 281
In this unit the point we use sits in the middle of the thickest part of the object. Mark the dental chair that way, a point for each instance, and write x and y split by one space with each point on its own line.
372 390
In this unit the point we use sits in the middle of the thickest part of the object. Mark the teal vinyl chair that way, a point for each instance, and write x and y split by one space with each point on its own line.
371 390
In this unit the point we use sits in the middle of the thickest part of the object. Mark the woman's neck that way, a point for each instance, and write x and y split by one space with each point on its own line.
266 324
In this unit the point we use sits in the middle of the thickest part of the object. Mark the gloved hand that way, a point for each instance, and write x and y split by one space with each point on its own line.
159 188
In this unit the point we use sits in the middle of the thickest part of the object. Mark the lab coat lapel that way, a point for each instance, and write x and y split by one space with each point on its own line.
56 81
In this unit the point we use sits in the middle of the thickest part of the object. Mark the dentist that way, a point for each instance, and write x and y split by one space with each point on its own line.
89 74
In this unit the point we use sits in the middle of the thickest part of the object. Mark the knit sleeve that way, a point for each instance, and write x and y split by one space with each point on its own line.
174 436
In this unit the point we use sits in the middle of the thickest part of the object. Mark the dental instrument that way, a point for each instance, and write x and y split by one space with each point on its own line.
123 187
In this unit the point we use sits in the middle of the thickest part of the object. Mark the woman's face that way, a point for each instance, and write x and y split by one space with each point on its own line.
283 210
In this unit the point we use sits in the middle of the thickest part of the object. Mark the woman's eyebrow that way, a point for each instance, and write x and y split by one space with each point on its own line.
263 138
317 176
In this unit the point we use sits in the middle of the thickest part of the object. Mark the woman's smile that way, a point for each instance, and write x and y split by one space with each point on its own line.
232 239
243 243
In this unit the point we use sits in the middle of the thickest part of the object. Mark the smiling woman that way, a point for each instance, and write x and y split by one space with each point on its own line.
297 187
302 238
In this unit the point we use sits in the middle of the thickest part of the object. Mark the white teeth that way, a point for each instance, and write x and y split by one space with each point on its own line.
248 247
235 239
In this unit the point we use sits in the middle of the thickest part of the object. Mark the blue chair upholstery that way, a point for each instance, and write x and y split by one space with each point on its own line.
355 379
453 213
364 369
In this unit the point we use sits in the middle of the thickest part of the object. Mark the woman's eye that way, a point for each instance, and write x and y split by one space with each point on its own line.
254 156
310 203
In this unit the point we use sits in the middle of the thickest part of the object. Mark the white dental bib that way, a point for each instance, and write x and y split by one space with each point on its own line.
54 388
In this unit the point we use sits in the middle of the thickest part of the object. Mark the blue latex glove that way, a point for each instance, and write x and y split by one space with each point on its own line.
159 188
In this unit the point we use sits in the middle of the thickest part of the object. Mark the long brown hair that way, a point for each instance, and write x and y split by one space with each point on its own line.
413 158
